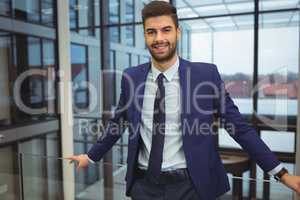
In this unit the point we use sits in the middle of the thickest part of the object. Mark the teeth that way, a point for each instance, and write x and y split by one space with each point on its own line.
158 46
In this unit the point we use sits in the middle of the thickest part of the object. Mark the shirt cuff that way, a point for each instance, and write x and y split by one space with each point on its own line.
275 170
90 160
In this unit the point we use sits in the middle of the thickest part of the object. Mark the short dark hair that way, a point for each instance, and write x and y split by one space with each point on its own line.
159 8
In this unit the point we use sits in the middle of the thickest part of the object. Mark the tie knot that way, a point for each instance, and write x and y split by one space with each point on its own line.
160 78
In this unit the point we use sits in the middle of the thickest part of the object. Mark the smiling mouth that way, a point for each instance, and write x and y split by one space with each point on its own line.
160 48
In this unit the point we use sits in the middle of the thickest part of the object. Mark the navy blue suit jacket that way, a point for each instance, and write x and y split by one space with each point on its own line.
203 160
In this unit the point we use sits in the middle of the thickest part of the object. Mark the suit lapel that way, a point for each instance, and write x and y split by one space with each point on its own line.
184 87
140 89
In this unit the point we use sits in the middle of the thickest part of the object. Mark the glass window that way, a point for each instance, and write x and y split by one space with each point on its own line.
79 75
5 7
48 12
130 36
27 10
48 53
5 52
97 16
144 59
50 65
73 14
277 190
114 18
226 141
192 8
277 4
83 16
184 42
219 43
36 91
129 16
114 33
86 17
278 63
34 52
24 53
139 37
8 174
36 11
114 11
279 141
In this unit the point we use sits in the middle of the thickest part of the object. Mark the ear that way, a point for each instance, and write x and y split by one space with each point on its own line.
178 30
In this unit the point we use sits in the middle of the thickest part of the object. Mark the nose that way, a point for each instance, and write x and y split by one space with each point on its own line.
159 36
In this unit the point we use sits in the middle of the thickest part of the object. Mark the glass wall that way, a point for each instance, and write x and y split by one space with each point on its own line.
254 57
114 18
79 76
84 16
29 118
5 8
262 61
28 78
41 177
278 63
33 11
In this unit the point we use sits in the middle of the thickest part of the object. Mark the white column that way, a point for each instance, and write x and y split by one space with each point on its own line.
65 97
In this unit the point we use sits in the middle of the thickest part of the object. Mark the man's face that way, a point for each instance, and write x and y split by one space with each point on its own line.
161 37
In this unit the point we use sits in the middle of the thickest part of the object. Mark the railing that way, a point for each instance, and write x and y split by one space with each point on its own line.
32 177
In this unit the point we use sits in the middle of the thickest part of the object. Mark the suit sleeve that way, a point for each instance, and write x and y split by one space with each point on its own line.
240 131
114 129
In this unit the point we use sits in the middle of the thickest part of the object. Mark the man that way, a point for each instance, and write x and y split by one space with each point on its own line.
161 102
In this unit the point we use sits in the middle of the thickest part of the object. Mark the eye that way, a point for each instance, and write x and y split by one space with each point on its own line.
150 32
167 30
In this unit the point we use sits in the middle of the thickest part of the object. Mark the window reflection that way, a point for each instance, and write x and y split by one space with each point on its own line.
47 12
83 16
129 6
220 44
114 33
114 18
278 4
19 54
34 52
278 64
27 10
190 8
5 7
36 11
130 36
86 17
73 14
279 141
5 49
79 75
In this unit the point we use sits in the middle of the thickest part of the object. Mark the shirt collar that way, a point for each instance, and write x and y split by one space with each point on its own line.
169 73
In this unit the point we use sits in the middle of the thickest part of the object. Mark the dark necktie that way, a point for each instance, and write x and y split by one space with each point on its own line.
158 130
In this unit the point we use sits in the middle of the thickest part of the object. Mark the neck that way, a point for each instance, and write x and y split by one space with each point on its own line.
163 66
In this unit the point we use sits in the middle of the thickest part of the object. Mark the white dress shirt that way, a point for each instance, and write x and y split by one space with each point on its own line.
173 155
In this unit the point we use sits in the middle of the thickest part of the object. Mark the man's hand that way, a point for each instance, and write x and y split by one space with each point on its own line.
292 182
81 159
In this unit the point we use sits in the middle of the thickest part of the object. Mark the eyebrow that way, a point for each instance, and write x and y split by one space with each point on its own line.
153 29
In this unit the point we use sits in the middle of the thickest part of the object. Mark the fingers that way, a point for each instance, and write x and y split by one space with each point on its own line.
78 168
79 160
72 159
